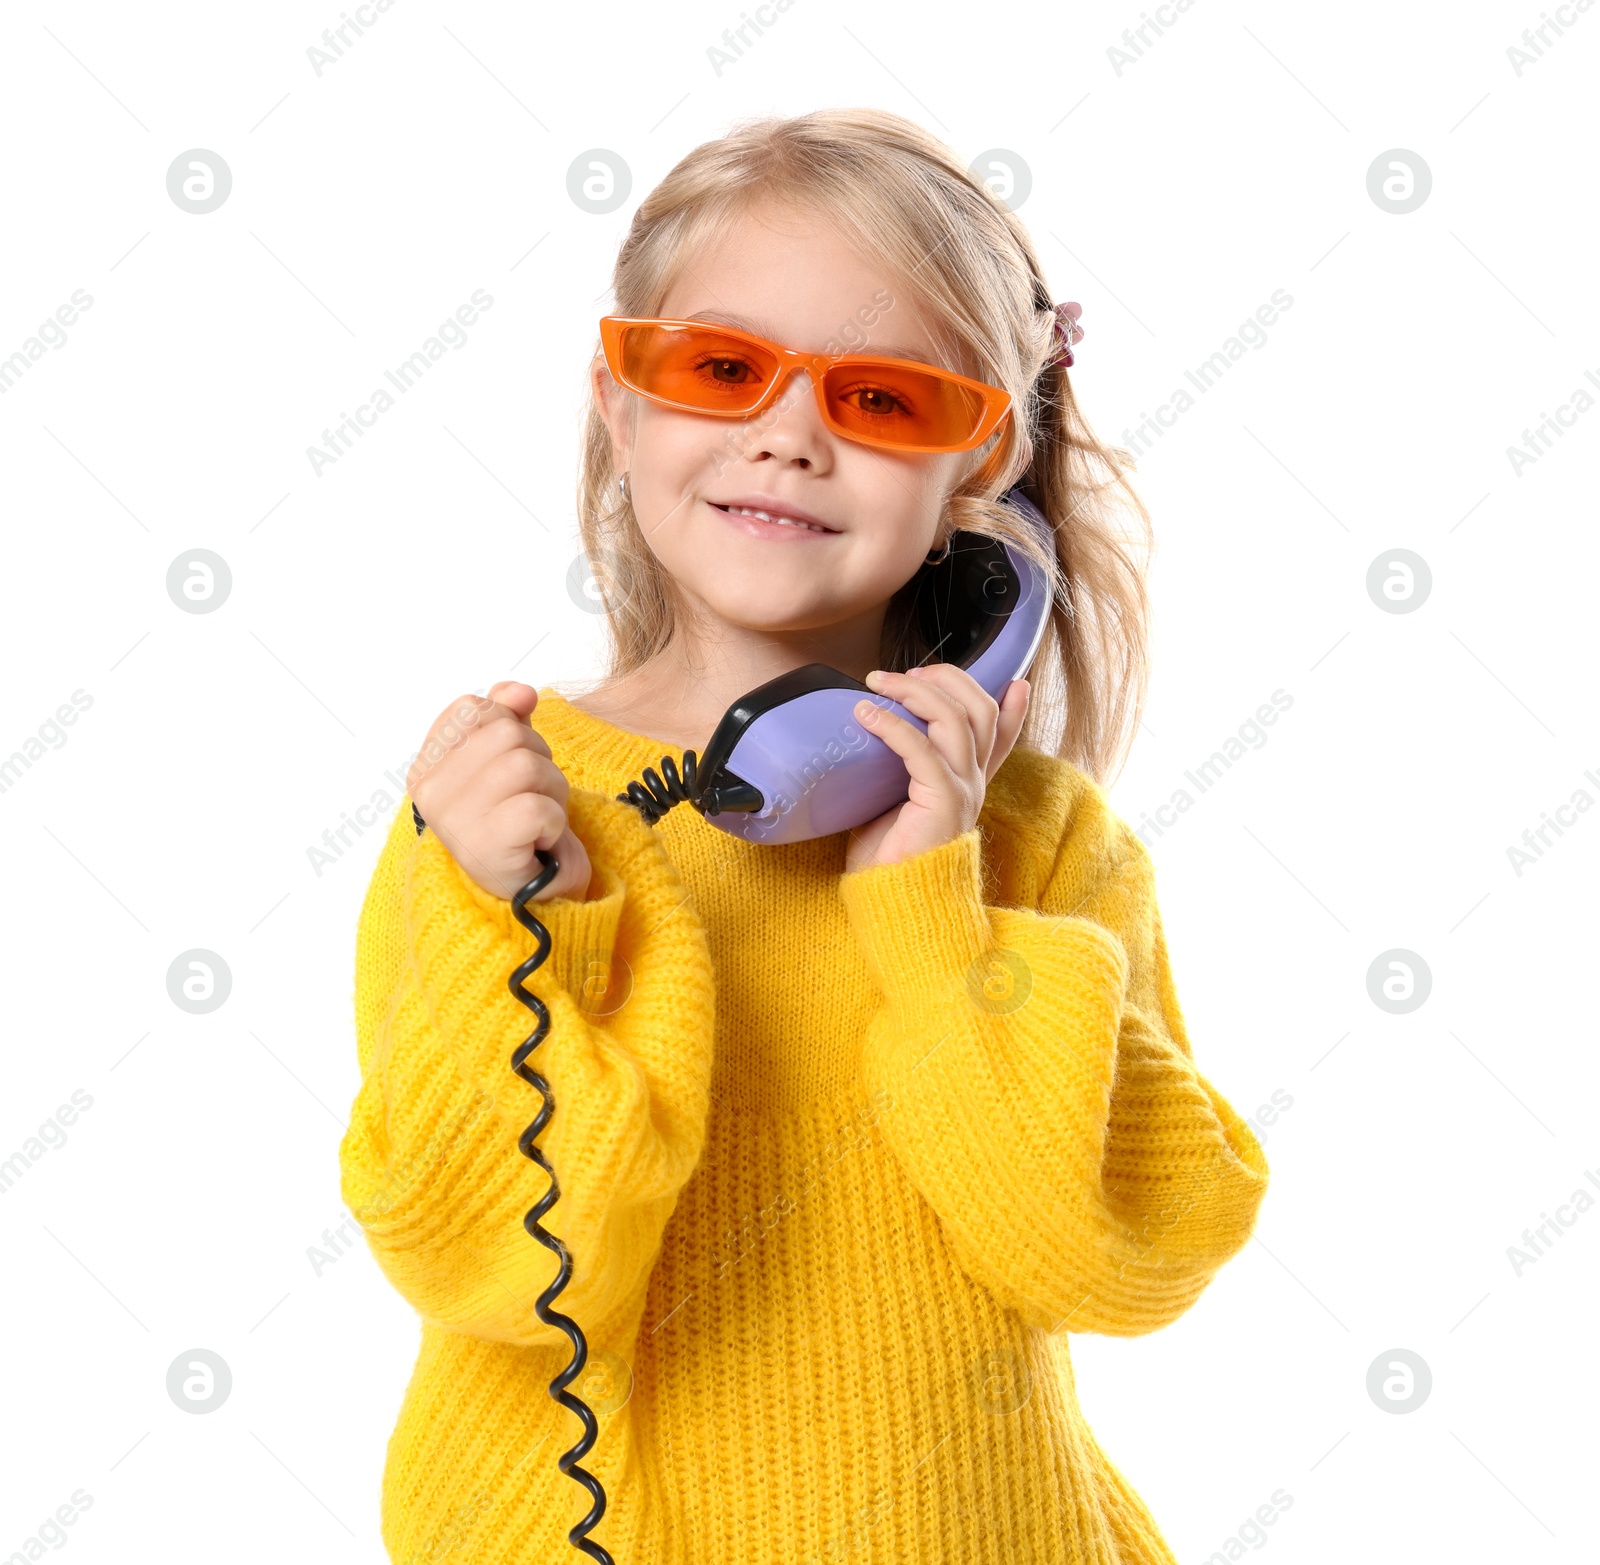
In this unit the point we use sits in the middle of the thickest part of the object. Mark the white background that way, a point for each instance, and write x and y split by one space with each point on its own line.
1227 162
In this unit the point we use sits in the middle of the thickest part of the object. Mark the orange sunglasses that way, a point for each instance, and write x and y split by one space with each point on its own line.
899 404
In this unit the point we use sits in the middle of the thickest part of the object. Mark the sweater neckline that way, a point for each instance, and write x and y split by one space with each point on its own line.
599 751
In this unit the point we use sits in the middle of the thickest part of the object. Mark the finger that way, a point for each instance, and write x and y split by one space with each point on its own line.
465 717
575 868
519 770
516 696
949 728
507 719
451 728
923 759
450 731
513 705
468 714
981 708
1013 709
527 820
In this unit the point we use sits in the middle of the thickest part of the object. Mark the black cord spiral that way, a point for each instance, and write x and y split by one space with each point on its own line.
657 794
568 1462
654 797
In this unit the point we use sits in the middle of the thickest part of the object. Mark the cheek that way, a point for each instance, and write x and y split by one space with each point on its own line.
904 496
680 449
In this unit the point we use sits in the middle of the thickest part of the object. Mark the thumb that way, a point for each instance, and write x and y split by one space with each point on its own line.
512 693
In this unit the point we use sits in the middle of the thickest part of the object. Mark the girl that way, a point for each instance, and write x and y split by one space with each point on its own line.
850 1133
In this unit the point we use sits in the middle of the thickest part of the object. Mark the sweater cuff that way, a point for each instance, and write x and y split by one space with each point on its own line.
582 934
922 924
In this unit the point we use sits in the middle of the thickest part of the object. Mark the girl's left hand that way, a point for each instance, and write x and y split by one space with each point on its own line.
969 735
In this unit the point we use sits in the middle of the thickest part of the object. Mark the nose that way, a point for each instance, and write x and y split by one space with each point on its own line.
789 430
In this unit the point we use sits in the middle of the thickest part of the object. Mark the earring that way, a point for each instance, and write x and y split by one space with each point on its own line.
930 558
622 488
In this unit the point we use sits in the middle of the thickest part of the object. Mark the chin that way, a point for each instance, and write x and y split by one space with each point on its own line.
751 612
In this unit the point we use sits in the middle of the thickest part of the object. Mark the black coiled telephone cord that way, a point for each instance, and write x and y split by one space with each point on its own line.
652 798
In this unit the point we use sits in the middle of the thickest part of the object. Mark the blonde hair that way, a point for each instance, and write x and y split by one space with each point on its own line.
909 202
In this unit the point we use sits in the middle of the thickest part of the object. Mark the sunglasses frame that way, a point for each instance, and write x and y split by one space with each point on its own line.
996 402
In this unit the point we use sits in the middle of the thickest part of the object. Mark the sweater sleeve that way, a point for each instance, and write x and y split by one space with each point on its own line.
1042 1091
430 1165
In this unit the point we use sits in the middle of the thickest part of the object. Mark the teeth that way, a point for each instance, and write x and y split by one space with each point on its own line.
767 516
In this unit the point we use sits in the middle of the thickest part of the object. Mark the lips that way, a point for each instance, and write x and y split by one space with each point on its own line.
768 517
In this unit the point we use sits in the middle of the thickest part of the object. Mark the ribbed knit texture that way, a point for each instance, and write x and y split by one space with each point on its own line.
843 1159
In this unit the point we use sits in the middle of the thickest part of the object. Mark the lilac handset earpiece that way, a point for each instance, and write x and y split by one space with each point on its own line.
789 762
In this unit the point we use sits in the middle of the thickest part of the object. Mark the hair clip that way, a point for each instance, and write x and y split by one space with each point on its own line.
1067 331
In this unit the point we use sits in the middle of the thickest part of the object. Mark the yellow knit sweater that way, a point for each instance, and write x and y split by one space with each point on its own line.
843 1158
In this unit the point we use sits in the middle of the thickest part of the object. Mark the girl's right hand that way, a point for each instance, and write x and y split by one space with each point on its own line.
488 789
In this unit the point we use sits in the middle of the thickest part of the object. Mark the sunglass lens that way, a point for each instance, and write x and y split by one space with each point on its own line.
699 368
902 406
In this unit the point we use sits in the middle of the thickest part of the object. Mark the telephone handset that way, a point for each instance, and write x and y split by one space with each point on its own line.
788 762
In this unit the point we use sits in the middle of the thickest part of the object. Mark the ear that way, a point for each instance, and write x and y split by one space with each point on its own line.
613 403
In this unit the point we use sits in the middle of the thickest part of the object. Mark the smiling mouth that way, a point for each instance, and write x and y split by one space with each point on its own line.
775 518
